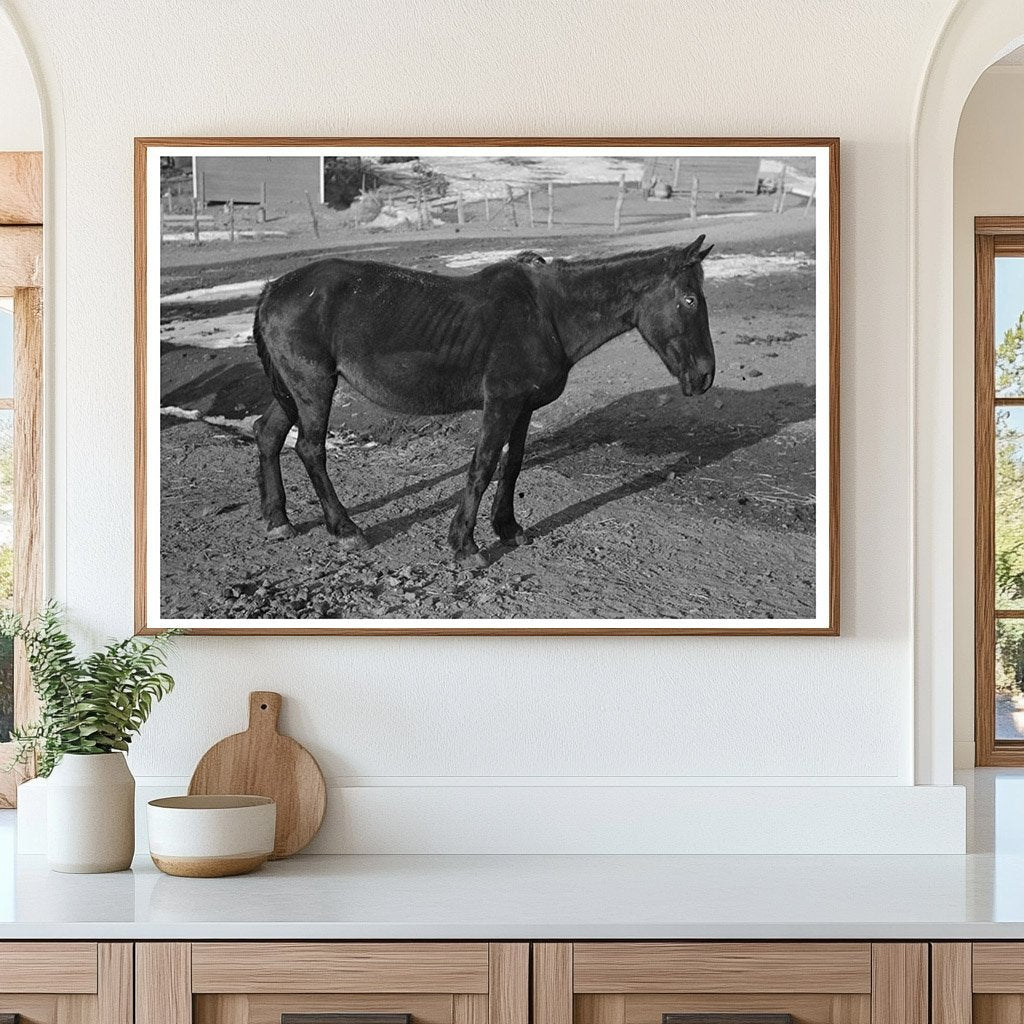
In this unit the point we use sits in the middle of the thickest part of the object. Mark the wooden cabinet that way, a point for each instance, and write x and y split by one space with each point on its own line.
265 982
66 982
754 982
978 983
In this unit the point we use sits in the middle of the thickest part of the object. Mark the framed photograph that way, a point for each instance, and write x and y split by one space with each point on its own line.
563 386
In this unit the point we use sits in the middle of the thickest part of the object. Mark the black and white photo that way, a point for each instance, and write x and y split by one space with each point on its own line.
457 386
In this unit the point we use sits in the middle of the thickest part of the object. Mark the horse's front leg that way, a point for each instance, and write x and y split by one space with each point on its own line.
503 517
498 420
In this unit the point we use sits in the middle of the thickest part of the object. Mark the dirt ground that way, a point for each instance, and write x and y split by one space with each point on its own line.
640 503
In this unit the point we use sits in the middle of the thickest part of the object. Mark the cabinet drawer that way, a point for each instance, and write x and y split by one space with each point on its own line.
332 983
730 983
634 967
58 967
340 967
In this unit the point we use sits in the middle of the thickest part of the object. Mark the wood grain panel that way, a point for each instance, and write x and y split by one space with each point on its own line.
65 967
899 990
32 1009
115 983
805 1008
469 1008
599 1009
227 1009
998 1009
163 983
849 1009
28 483
76 1009
508 992
267 1009
21 259
21 188
552 983
951 983
633 967
984 502
339 967
998 967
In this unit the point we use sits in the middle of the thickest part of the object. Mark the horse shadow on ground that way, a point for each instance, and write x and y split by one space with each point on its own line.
651 423
232 390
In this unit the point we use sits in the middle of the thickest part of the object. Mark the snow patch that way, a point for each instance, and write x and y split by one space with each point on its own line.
480 258
216 292
232 330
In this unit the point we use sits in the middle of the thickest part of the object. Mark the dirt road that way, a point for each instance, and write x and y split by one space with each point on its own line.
641 503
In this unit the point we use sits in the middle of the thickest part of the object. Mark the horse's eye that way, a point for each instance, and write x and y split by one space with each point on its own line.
689 301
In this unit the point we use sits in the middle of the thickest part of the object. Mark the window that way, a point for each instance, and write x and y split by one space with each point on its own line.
999 490
21 365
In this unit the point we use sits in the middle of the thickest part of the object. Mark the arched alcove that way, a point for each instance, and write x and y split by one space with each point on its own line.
975 35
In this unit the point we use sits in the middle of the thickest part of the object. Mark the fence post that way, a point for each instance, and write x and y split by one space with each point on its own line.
510 205
261 213
620 198
312 214
810 198
694 190
202 189
231 219
782 190
487 209
551 204
459 208
195 220
529 204
675 177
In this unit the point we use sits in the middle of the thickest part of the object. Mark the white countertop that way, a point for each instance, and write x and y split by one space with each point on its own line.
977 896
496 897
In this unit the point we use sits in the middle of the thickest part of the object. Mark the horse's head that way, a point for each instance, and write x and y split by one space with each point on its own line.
673 319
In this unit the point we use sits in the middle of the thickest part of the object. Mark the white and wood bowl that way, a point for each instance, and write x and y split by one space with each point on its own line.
211 836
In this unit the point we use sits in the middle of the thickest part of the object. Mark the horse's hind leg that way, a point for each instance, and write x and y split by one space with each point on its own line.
503 517
497 424
271 430
314 412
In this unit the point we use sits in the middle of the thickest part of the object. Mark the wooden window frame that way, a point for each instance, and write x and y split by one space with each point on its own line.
21 272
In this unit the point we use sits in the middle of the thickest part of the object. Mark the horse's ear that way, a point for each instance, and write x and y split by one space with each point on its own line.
703 253
694 246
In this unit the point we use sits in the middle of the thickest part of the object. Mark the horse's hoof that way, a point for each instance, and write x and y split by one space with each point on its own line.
285 532
353 541
521 539
471 559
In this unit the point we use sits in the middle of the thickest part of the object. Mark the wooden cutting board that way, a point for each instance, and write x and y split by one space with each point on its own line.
262 762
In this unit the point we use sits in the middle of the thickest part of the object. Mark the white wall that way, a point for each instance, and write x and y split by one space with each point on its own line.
458 711
988 180
21 126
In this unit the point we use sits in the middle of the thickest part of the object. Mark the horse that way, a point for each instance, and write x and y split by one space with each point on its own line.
502 340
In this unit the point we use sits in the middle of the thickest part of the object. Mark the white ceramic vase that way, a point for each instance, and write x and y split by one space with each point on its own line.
90 814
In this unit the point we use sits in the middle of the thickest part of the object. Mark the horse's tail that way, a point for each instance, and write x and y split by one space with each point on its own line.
277 384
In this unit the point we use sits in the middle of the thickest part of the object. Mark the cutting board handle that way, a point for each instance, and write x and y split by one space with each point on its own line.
264 710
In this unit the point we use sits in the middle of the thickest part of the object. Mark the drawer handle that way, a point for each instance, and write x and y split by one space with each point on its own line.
340 1018
727 1018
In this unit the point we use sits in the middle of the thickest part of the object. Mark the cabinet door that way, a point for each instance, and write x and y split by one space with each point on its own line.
730 983
332 983
981 982
65 983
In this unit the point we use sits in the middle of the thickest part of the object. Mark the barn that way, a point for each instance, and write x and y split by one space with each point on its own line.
281 181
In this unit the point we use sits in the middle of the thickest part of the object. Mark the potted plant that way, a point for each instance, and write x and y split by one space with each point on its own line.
90 708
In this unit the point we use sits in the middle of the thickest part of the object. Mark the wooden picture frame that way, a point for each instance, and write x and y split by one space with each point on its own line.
148 212
21 272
